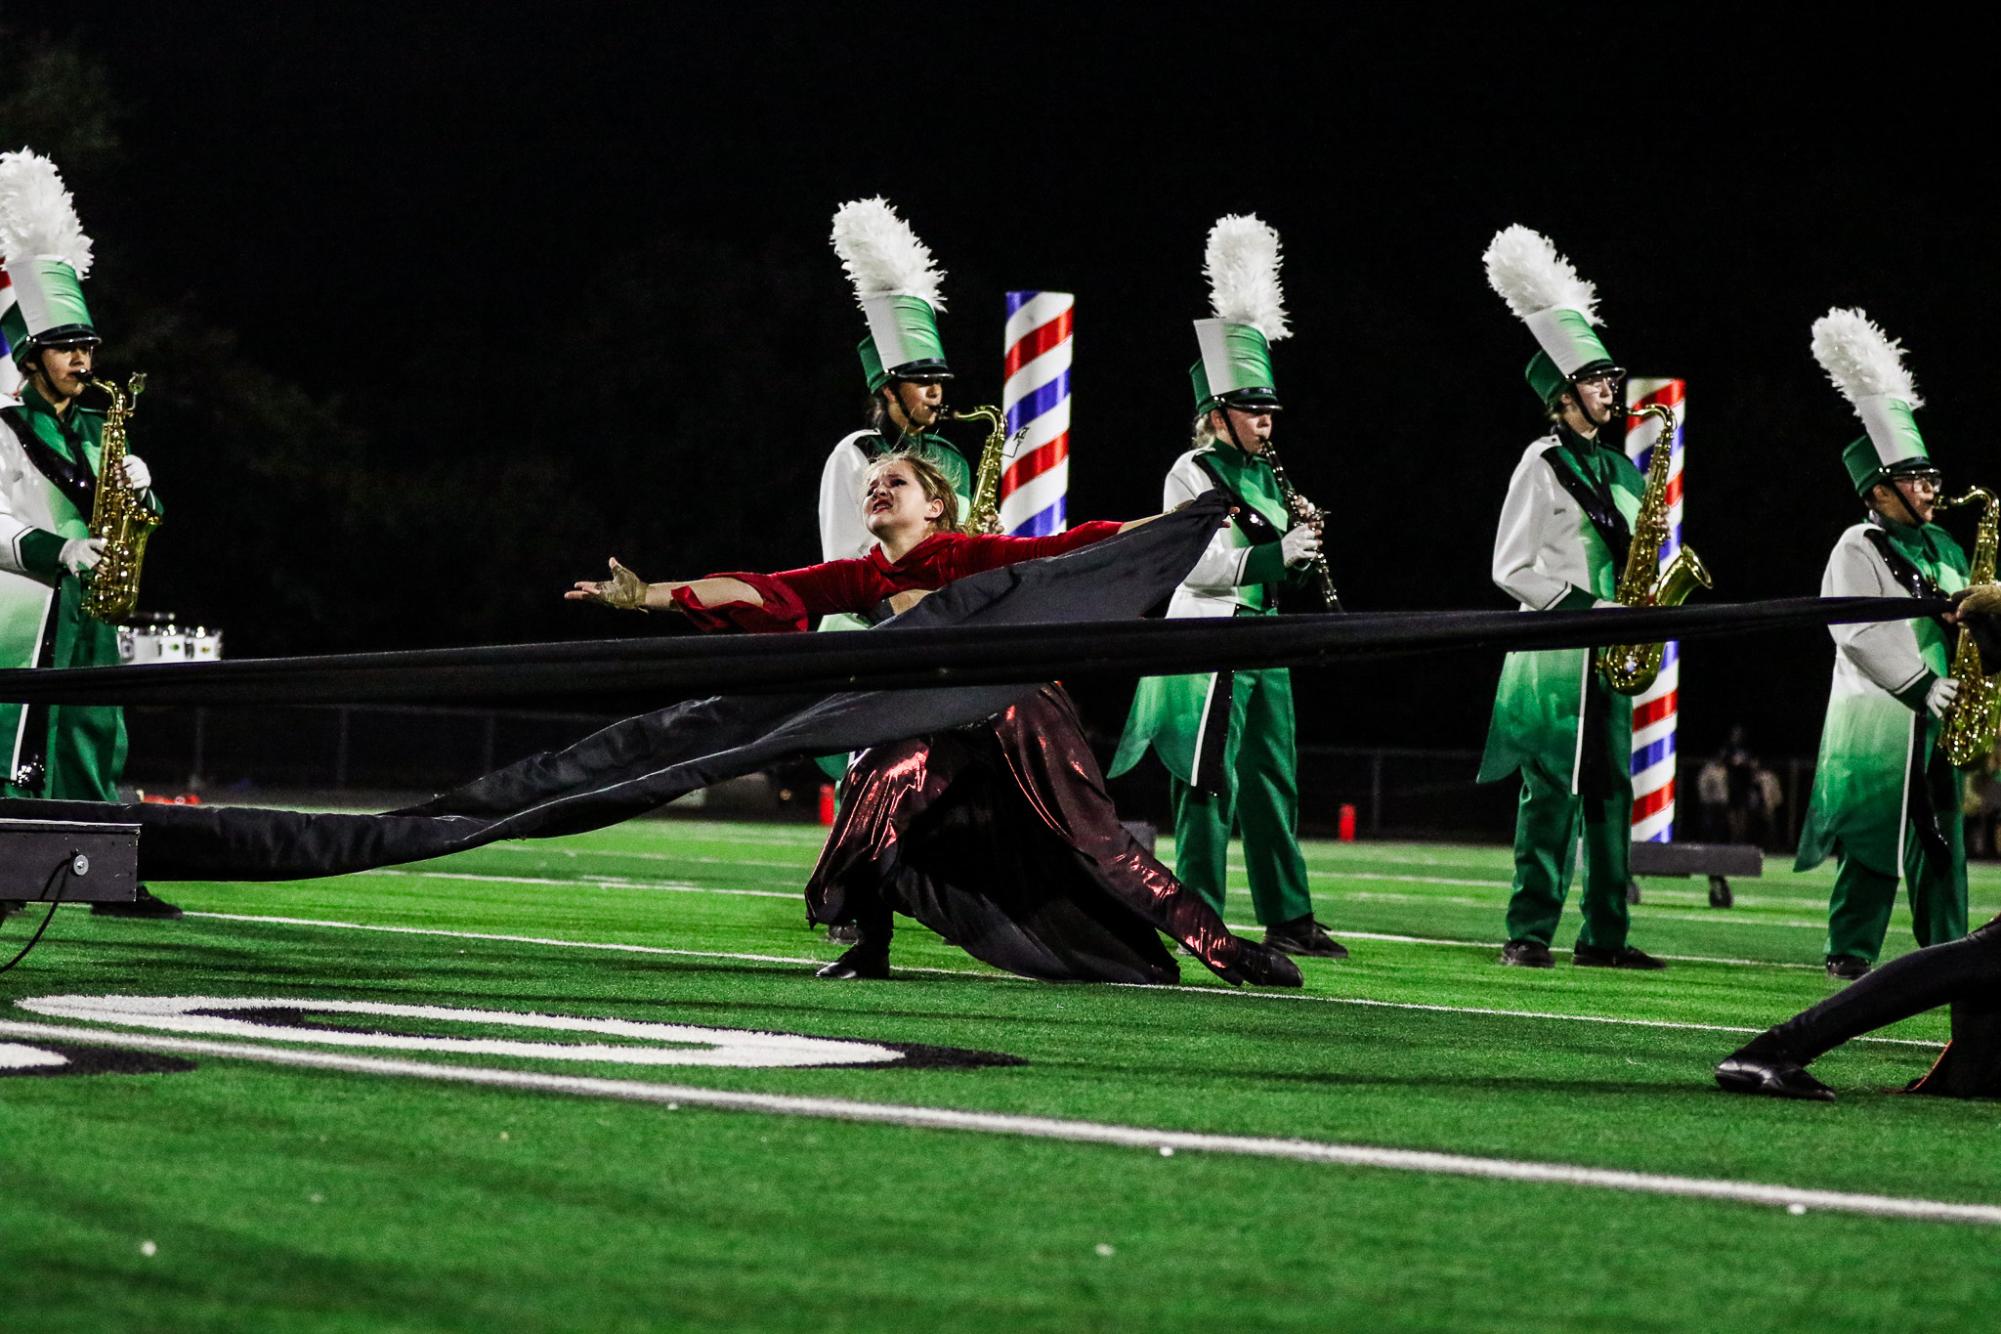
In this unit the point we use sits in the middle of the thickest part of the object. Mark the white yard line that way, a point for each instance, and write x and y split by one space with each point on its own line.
596 882
1794 1199
992 975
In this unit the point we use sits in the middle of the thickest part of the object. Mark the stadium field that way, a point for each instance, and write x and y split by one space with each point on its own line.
523 1089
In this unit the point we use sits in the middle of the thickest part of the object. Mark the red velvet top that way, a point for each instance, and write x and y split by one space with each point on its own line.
792 596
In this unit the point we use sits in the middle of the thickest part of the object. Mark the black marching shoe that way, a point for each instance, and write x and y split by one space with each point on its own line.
1263 966
1846 967
1303 935
1526 954
1590 956
863 961
145 906
8 907
1771 1073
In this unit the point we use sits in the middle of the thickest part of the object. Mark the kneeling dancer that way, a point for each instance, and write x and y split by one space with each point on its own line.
998 835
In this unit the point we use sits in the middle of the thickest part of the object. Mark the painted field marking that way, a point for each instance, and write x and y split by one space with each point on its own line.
1790 1198
595 882
994 975
658 1043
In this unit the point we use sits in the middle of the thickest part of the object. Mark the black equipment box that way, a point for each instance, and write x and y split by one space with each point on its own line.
75 862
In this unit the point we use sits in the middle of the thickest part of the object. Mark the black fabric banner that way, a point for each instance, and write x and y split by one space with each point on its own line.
928 651
644 762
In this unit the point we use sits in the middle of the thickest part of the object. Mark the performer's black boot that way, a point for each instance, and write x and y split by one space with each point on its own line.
1304 935
1262 966
1763 1065
868 957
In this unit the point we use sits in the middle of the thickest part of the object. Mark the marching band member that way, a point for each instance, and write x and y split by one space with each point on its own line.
1000 835
1885 802
1561 545
49 452
1227 738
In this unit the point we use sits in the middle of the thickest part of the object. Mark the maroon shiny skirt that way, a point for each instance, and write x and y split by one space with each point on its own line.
1000 837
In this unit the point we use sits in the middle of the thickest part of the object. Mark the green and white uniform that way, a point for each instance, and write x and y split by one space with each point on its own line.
64 751
1227 738
1884 801
1550 556
1560 546
48 471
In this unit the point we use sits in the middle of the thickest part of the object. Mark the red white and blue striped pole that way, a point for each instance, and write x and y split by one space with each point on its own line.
1656 710
1035 394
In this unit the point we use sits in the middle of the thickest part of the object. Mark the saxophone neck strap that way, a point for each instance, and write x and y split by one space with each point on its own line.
1903 570
72 478
1594 497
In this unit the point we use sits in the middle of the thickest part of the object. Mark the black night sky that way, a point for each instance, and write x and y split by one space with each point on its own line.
538 284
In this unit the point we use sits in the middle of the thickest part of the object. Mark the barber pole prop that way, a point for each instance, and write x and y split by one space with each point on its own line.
1035 397
1656 709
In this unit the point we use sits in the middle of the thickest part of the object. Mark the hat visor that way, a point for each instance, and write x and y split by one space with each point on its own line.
1252 400
921 370
63 335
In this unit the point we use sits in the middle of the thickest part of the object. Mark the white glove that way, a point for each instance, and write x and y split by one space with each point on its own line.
1300 546
1940 697
81 553
137 475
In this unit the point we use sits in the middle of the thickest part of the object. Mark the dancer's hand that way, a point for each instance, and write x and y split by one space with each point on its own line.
624 591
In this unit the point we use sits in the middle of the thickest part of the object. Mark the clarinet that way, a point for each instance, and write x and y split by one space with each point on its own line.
1305 511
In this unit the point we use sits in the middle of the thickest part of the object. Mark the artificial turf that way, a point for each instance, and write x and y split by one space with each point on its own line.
245 1195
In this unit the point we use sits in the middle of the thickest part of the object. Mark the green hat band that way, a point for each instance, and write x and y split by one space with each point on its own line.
1235 357
903 331
47 296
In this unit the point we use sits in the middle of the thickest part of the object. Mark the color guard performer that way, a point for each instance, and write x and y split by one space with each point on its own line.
1561 546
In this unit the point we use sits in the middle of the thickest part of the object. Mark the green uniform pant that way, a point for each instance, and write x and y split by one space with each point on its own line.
1547 826
1858 913
1260 781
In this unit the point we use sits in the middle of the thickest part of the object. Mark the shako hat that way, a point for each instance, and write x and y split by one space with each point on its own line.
1543 290
1248 315
45 255
1867 366
897 286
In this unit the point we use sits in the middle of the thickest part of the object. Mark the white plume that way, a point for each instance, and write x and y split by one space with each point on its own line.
882 256
37 216
1523 266
1861 359
1241 265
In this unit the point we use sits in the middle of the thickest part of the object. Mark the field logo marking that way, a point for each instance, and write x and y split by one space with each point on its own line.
648 1043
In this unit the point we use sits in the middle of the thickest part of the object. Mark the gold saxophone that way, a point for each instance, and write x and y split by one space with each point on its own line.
117 515
984 517
1630 668
1968 731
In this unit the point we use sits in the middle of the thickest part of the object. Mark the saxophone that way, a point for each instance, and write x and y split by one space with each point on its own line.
1305 511
984 516
1630 668
1968 731
117 515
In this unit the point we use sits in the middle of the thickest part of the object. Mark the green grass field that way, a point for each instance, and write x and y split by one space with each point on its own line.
419 1187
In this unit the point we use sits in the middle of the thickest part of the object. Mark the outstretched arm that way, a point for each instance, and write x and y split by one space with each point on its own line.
626 591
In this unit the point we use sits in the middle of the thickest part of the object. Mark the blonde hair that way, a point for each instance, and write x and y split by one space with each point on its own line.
929 477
